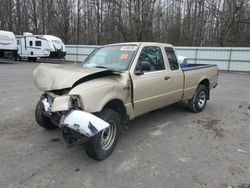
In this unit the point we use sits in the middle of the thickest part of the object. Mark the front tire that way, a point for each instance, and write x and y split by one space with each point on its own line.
41 119
199 100
103 144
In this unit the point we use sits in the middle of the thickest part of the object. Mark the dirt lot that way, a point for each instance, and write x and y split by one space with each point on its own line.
169 148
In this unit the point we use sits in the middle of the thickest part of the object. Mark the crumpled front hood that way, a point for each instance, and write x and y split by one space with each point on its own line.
49 77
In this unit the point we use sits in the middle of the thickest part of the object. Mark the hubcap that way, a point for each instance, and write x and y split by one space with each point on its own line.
202 99
108 135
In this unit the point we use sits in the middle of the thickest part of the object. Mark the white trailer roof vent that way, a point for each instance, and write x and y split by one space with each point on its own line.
27 34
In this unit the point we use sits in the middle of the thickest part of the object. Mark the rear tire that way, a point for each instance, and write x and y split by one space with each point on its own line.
199 100
103 144
41 119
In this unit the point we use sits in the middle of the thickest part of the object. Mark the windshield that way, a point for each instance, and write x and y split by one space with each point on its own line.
111 57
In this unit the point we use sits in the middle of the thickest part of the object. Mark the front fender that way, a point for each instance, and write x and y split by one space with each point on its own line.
84 123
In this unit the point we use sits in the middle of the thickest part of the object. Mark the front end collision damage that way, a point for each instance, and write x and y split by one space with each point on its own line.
84 123
61 103
48 77
63 98
46 104
77 125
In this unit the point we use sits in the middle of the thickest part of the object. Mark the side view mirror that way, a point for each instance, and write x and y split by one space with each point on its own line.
144 66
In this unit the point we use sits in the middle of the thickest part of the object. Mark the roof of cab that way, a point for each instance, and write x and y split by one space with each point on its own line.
141 43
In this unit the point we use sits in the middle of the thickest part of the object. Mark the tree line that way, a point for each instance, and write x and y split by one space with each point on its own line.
179 22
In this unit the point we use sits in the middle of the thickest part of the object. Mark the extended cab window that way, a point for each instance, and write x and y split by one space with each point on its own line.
152 55
31 43
173 63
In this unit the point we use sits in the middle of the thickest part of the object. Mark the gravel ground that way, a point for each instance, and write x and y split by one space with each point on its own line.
170 147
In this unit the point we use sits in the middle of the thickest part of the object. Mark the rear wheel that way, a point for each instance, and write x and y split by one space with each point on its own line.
41 119
199 100
103 144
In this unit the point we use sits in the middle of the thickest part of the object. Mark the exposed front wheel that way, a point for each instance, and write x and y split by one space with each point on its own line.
199 100
102 145
41 119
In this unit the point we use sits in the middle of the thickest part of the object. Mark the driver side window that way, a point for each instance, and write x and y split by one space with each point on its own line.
152 55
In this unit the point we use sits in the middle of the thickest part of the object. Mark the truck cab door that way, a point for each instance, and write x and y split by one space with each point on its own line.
159 85
149 86
175 74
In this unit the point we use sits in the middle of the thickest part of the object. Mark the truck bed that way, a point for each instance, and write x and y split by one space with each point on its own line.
188 67
194 74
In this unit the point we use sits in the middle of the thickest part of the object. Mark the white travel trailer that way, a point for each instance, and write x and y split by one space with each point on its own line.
39 46
8 45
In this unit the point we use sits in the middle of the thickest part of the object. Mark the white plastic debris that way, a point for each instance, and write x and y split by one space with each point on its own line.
242 151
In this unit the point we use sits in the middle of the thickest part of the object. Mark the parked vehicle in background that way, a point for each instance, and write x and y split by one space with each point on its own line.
33 47
8 45
115 84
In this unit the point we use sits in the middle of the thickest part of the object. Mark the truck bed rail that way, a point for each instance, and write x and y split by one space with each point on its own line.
188 67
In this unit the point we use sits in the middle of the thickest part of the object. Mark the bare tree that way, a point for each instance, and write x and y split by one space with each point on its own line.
181 22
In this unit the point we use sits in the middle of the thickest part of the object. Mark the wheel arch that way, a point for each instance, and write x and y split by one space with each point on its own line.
205 82
118 106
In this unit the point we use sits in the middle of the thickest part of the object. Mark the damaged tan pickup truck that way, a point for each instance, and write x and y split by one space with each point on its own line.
116 83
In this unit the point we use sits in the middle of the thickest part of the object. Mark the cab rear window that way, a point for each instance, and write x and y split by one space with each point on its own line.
173 63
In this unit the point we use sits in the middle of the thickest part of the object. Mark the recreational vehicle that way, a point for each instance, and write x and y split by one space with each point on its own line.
8 45
39 46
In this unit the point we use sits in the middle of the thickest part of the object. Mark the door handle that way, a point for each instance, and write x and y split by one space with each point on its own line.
167 77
